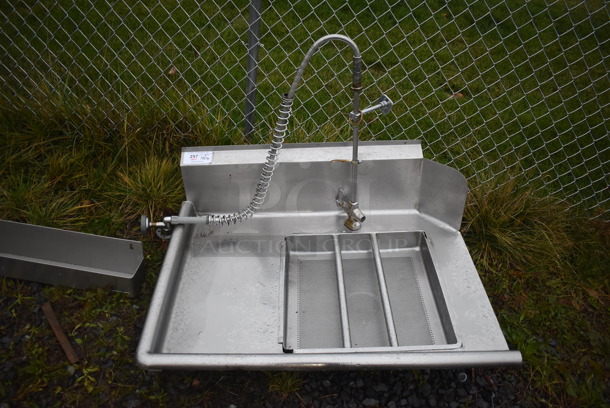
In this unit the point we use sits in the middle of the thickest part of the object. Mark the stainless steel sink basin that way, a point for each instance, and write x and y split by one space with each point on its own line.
291 288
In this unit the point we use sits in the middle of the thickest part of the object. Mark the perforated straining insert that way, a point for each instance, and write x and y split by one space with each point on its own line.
312 302
363 291
408 308
418 303
318 320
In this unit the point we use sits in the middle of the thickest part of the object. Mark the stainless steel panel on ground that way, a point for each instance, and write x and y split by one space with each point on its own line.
59 257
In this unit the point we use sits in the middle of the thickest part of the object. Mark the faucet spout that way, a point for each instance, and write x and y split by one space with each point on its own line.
355 216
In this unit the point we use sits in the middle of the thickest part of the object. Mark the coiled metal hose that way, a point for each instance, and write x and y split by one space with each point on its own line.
279 133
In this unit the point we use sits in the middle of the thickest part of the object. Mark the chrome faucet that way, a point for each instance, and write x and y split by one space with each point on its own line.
349 204
355 217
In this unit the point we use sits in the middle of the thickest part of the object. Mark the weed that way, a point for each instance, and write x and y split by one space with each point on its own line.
507 226
152 187
41 202
87 378
284 384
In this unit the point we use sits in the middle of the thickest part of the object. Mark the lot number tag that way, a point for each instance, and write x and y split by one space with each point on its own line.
197 157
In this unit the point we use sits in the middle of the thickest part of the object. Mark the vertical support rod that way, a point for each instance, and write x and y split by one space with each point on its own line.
385 298
355 119
252 66
347 342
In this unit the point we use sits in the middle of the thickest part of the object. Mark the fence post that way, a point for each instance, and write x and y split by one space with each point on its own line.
252 66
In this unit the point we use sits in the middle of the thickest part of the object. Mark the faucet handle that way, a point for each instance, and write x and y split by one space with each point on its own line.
386 104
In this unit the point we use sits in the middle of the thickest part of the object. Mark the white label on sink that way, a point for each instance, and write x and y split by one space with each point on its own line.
197 157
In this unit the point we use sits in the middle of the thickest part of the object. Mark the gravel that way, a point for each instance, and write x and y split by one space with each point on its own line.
480 388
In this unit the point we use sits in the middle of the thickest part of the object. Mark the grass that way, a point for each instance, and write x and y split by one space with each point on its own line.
152 187
525 231
532 76
285 384
546 272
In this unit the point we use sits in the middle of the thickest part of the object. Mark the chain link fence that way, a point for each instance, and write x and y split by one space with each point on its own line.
488 86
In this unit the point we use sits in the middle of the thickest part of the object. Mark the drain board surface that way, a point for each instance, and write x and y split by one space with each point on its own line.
363 291
236 306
